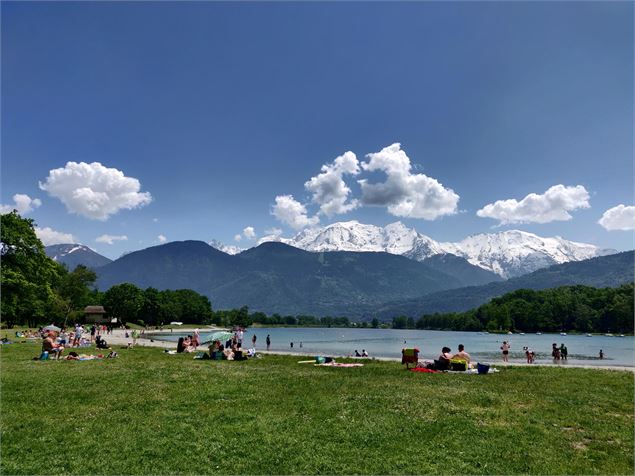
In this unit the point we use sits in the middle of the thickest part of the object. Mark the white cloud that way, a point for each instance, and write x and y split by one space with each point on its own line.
93 190
553 205
292 213
110 239
22 203
403 193
155 220
273 231
48 236
238 237
329 189
249 232
620 217
162 238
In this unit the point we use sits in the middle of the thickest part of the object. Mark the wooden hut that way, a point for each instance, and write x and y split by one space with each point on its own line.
96 314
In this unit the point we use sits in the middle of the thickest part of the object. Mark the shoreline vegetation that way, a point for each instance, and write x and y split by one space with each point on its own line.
195 416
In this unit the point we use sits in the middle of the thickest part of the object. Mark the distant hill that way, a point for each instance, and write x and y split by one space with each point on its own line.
72 255
278 278
604 271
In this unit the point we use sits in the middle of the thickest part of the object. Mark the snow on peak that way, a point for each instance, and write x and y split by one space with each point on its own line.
507 253
229 249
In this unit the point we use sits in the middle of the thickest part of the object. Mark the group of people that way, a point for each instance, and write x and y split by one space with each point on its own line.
185 344
559 353
363 354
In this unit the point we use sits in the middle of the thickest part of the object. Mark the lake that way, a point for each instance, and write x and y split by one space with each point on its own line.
483 347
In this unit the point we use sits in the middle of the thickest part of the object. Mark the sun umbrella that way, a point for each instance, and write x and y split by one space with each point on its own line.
221 336
52 328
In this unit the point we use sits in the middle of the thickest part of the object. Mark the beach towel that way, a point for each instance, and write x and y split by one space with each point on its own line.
424 370
336 364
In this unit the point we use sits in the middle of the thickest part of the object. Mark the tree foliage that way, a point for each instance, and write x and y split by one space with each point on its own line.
567 308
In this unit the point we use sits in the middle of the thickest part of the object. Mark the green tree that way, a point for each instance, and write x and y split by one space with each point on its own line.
74 291
124 301
28 276
374 323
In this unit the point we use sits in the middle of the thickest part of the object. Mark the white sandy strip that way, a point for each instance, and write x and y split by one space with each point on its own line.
118 338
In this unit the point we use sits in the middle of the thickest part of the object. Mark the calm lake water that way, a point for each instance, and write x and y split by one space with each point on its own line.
619 351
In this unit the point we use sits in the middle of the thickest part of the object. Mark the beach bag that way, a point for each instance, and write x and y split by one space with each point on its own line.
482 368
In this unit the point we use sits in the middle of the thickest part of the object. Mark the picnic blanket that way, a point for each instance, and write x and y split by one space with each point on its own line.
337 364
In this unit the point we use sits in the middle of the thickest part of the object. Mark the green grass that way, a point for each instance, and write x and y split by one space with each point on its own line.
151 413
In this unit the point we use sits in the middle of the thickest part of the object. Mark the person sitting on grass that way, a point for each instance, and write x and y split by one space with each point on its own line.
180 345
49 345
462 355
364 353
101 343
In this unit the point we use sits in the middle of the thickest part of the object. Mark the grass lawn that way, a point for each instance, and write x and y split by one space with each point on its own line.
151 413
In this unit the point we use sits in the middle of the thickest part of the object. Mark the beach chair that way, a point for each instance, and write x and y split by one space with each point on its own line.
409 356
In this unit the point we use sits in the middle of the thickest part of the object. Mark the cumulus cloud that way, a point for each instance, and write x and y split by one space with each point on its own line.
403 193
249 232
292 213
110 239
162 238
238 237
22 203
620 217
553 205
93 190
329 189
48 236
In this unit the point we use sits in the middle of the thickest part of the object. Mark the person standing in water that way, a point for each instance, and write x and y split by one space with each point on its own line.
253 341
292 345
268 341
601 354
505 348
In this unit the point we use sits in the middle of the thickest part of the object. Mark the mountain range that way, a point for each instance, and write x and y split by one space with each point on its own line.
277 278
507 253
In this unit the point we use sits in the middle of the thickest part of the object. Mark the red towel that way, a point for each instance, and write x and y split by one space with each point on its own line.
428 371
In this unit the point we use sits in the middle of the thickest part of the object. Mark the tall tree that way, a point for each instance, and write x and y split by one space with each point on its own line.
27 276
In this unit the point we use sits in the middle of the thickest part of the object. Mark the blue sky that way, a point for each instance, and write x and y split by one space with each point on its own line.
219 108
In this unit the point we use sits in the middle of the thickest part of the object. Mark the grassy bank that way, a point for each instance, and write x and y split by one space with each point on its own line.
151 413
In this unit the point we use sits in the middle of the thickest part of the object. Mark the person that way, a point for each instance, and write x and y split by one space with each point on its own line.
505 348
461 354
268 341
180 345
239 336
357 354
93 329
292 345
555 352
563 351
364 353
135 336
527 354
196 340
101 343
78 335
49 345
63 338
601 354
253 341
187 343
300 344
445 354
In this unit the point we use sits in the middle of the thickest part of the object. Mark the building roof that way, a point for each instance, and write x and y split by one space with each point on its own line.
95 310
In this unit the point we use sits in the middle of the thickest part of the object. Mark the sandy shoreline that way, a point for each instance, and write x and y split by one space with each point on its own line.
118 338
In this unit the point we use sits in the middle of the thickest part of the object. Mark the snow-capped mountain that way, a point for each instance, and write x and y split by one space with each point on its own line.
514 253
72 255
229 249
508 253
